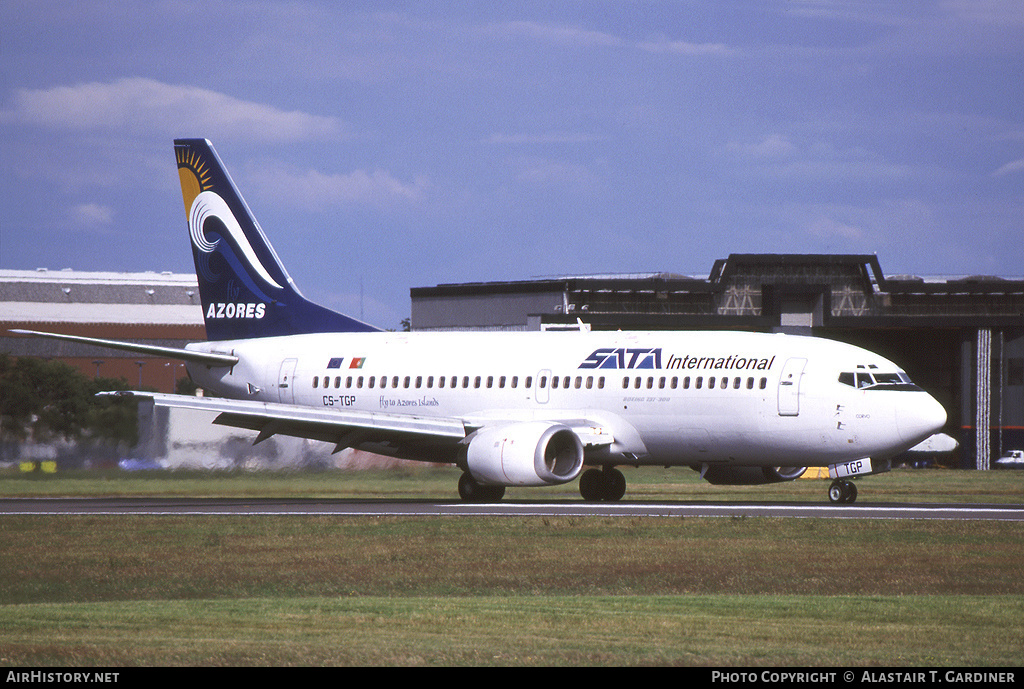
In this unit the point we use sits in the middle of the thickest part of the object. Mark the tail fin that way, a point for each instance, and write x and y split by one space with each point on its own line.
244 288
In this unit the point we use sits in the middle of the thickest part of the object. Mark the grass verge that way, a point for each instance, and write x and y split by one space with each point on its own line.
224 590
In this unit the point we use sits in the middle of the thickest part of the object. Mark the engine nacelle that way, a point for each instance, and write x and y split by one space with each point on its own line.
750 476
533 453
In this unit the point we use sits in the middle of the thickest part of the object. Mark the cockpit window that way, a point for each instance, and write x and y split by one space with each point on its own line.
875 380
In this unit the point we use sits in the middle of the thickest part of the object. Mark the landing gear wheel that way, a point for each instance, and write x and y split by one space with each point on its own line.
471 490
608 485
842 492
614 485
590 485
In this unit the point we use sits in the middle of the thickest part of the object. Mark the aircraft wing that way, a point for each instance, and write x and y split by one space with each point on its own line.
343 428
394 435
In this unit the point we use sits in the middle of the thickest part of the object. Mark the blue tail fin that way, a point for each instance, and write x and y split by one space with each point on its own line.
245 290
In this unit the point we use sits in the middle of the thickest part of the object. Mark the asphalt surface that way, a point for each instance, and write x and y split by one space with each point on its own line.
424 508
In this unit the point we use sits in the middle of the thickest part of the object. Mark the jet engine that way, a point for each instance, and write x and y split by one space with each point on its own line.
533 453
749 476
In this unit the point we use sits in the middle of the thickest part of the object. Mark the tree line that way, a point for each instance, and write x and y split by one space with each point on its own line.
43 400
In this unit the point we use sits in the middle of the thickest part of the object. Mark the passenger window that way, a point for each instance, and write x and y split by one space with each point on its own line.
476 382
405 383
515 382
337 381
529 382
625 383
490 382
316 381
600 383
764 383
711 383
579 382
750 383
697 383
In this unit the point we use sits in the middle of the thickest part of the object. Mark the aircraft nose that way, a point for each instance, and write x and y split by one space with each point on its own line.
920 418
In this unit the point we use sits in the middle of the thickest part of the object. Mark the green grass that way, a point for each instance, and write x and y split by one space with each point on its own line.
427 482
226 590
729 630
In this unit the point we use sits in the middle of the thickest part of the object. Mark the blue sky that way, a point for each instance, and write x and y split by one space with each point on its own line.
390 145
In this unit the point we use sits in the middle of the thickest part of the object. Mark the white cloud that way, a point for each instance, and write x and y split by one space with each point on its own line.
684 48
995 12
548 138
824 227
139 105
314 189
560 34
1009 168
93 214
774 146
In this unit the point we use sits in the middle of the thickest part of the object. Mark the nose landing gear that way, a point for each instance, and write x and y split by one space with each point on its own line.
842 492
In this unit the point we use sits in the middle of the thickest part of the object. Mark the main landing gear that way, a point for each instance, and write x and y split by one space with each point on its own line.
842 492
471 490
606 484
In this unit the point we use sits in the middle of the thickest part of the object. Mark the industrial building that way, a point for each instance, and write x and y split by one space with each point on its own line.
152 308
960 338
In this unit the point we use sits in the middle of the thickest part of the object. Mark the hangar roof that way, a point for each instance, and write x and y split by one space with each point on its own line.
743 290
68 296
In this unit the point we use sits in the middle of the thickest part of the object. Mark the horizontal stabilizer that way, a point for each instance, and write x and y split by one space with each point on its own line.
208 358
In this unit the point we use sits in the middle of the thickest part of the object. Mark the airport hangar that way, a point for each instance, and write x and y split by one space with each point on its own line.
960 338
153 308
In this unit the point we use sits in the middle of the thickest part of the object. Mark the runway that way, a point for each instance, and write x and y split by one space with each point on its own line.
424 508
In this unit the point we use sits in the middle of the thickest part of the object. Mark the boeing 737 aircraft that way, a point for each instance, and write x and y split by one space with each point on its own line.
523 409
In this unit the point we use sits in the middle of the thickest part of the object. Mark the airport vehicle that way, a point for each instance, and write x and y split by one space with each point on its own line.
526 408
1013 459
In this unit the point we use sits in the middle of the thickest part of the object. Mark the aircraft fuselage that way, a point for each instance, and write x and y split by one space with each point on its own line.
667 398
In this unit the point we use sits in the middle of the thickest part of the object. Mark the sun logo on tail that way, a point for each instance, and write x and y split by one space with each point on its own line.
194 174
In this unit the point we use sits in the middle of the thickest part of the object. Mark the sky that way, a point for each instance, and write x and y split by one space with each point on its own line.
390 145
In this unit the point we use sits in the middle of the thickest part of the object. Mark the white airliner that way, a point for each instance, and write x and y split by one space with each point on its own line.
523 409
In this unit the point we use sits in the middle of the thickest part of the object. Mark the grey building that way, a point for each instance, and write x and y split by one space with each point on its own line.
152 308
961 338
